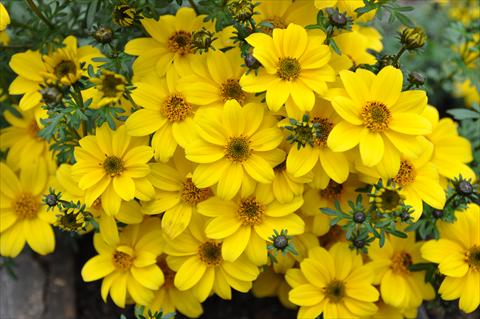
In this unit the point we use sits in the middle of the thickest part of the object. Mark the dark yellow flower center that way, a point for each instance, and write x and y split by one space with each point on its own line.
113 166
176 108
401 261
65 68
70 221
288 69
211 253
238 149
376 116
388 200
122 260
473 257
180 42
168 274
335 291
111 85
332 191
250 212
193 195
231 90
322 131
26 206
280 167
406 174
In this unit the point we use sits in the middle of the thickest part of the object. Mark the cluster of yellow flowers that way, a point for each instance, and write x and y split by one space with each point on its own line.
214 157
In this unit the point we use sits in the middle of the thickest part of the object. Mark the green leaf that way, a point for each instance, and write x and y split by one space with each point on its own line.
464 114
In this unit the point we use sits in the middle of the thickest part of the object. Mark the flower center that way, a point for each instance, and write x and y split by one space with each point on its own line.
406 174
288 69
322 129
250 212
231 90
388 199
376 116
332 191
122 260
70 221
238 149
26 206
280 167
193 195
176 108
64 69
211 253
168 274
473 257
277 23
113 166
401 261
180 42
335 291
111 85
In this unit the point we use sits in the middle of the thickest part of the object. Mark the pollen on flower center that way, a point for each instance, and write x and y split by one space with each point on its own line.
472 257
288 69
231 90
122 260
113 166
65 68
376 116
176 108
406 174
180 42
238 149
211 253
401 261
26 206
335 291
332 191
168 274
250 212
193 195
322 130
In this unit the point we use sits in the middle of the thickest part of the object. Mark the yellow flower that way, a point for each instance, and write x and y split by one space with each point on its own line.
63 66
23 142
199 265
354 45
458 254
399 286
451 152
170 44
215 79
128 267
176 194
378 117
468 91
295 65
112 166
169 298
166 112
108 89
246 223
348 6
4 18
281 13
23 216
235 148
334 283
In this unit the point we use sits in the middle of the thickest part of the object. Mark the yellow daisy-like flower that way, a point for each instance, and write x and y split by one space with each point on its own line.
246 223
458 254
235 148
108 89
128 267
399 286
112 166
295 65
23 142
281 13
378 117
169 298
348 6
176 194
451 152
4 18
199 265
166 112
63 66
170 44
334 283
23 217
215 79
355 45
468 91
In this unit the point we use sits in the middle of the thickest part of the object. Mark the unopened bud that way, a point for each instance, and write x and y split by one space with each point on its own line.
413 38
103 35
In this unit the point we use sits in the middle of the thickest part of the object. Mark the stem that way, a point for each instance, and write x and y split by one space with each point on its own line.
194 6
39 14
129 97
399 54
449 200
79 100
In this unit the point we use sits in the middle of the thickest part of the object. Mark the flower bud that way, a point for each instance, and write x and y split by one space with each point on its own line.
51 95
280 242
251 62
202 40
336 18
124 15
416 79
241 10
103 35
359 217
464 188
413 38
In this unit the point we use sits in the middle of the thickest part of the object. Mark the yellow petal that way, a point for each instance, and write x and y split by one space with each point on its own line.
344 136
387 85
118 291
189 273
97 267
144 122
259 169
39 235
222 226
409 123
229 183
348 109
150 277
12 241
301 161
371 148
234 245
206 175
306 295
335 165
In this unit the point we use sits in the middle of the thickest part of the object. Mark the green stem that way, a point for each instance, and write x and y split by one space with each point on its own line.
194 6
39 14
129 97
399 54
79 100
